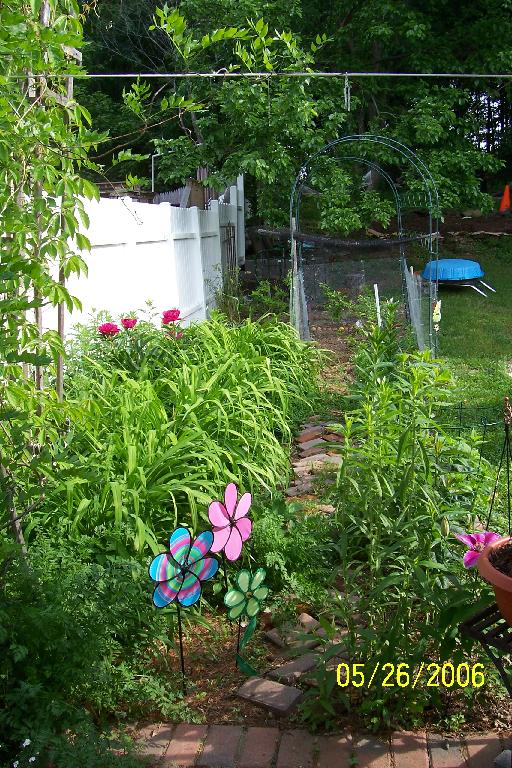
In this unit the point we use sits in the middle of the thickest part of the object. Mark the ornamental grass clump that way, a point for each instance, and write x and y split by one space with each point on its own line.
402 485
142 444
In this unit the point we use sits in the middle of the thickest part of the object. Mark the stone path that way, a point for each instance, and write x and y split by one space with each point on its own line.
233 746
316 447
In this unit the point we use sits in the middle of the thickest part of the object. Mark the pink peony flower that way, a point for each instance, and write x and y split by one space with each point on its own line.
108 329
476 543
129 322
231 527
170 316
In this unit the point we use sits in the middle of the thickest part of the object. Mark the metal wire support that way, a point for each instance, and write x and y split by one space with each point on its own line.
492 631
506 455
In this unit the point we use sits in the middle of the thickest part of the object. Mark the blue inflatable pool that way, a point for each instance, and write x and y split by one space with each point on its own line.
456 270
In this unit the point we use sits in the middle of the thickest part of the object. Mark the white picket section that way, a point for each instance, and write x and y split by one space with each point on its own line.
143 252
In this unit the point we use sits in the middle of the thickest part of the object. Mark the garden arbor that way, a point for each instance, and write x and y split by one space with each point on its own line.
416 191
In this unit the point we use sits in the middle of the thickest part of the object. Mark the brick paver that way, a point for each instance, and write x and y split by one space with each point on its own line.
185 745
334 752
482 749
221 746
410 750
295 750
231 746
259 747
445 753
372 753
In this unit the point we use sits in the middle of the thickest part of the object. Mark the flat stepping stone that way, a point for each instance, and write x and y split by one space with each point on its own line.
331 437
308 623
334 458
271 695
327 509
310 433
307 445
293 670
311 461
504 760
275 637
300 488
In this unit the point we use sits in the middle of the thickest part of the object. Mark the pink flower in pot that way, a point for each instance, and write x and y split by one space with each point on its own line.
501 583
476 543
483 546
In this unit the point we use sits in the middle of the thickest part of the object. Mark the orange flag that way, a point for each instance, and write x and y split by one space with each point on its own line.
505 200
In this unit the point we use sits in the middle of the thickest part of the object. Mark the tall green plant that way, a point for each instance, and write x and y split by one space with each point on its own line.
401 487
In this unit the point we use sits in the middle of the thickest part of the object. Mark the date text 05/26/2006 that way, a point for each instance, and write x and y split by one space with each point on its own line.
404 675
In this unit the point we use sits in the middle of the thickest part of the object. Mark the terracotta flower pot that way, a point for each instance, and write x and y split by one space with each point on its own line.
502 584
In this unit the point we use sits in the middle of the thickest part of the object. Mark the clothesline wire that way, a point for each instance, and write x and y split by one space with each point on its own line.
251 75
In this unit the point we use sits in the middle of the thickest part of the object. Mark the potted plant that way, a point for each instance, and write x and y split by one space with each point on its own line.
495 566
492 555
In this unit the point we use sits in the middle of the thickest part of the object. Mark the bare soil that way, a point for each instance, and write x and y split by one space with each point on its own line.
501 559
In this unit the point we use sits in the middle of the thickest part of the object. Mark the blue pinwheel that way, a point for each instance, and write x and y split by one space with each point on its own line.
180 571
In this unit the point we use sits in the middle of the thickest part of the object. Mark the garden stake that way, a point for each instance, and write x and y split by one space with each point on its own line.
180 633
238 637
225 570
179 572
226 581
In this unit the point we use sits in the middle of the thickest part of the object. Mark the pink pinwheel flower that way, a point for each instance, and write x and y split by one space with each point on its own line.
108 329
476 543
170 316
129 322
231 527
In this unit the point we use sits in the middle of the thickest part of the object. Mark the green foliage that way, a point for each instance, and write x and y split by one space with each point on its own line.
269 298
296 548
267 127
154 427
339 305
43 151
78 642
399 479
87 747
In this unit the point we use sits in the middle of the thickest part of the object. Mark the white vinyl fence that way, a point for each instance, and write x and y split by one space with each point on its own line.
172 257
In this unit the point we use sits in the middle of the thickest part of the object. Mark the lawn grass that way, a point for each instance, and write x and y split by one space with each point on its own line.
475 341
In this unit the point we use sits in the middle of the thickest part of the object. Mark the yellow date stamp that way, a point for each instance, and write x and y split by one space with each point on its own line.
403 675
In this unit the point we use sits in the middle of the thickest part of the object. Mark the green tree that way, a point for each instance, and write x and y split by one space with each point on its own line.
44 139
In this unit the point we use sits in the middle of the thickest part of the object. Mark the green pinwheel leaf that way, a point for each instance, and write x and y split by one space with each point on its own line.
243 580
258 578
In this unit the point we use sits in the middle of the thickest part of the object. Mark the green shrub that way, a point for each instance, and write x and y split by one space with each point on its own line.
296 549
79 642
400 483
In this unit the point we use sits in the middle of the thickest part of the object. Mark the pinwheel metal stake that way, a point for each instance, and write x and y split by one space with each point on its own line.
179 572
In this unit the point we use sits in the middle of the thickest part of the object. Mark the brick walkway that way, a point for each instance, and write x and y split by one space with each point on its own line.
232 746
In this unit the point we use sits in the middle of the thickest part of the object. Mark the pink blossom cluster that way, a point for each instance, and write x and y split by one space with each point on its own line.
109 330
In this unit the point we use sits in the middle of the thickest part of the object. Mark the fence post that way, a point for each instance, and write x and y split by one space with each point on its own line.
240 220
196 229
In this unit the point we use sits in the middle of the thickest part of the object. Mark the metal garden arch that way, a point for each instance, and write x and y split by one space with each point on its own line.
298 306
